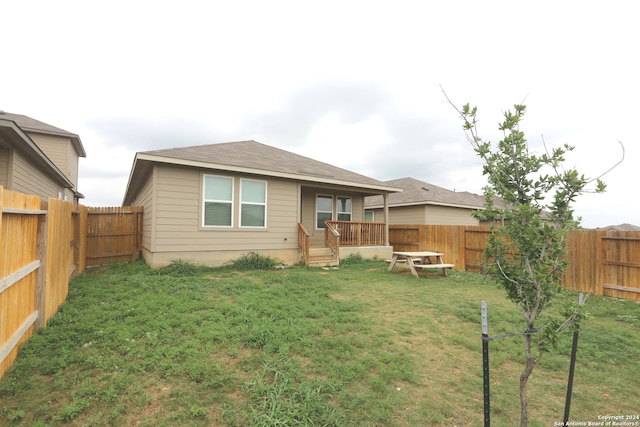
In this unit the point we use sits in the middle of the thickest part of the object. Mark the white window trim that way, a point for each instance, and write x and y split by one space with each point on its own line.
253 203
205 200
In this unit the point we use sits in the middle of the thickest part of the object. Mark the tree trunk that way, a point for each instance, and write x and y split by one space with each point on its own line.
524 377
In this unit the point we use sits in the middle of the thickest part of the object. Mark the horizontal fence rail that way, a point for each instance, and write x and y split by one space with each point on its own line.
114 234
42 246
601 262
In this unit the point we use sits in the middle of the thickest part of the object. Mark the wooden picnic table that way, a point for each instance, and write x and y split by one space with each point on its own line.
419 260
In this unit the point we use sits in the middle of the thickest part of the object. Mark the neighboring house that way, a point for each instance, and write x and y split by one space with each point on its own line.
620 227
424 203
213 203
39 159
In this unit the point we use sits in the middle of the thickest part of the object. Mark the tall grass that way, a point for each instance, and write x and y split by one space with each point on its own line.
355 346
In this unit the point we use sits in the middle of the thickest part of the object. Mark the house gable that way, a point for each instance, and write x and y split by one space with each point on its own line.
27 168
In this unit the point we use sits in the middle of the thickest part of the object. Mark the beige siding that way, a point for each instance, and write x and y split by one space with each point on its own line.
427 214
73 162
406 215
27 179
178 216
61 152
4 167
443 215
146 200
55 149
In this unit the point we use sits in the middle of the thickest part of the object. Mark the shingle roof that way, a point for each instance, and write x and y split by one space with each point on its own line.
621 227
263 159
417 192
28 124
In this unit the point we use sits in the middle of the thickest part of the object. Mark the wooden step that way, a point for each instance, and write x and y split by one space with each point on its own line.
321 257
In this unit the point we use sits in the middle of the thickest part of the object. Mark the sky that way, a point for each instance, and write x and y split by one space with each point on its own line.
357 84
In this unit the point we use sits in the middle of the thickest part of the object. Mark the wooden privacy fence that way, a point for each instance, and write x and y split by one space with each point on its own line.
42 246
39 250
601 262
114 234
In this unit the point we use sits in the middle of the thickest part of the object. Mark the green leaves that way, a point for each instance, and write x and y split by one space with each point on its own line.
526 251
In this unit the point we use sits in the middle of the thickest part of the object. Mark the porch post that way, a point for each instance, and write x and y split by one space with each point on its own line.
386 218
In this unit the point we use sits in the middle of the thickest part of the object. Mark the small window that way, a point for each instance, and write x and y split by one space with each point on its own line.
343 208
368 216
218 201
324 210
253 203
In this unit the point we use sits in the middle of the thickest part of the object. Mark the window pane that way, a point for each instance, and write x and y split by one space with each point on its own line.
253 191
324 204
322 217
217 214
344 217
252 216
368 216
217 188
344 204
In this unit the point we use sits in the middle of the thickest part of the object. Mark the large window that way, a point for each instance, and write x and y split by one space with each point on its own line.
253 203
324 210
343 208
218 201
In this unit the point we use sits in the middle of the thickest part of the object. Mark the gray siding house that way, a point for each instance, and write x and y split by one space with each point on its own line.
210 204
424 203
39 159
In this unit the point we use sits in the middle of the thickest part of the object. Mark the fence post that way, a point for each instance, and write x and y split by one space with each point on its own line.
41 273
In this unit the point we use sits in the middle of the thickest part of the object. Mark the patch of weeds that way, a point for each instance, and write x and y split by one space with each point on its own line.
280 395
13 414
253 261
352 259
181 267
196 411
72 410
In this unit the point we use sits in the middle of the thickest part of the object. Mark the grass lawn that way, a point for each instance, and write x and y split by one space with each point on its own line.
354 346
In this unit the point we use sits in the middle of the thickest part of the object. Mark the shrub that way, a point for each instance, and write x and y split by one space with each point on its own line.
353 259
253 261
180 267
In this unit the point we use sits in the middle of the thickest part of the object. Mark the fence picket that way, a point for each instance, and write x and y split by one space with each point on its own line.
601 262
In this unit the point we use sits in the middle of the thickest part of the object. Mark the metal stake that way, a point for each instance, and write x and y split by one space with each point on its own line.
572 366
485 364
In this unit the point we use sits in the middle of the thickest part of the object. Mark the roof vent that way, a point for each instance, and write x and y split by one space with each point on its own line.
1 111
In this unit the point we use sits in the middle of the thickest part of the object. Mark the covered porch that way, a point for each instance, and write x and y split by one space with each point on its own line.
342 238
332 224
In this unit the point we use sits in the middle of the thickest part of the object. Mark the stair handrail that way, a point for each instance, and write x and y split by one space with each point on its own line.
332 239
303 242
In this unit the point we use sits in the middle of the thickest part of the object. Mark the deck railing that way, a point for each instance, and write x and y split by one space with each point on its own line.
360 233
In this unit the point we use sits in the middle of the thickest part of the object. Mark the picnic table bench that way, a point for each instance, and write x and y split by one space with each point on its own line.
422 260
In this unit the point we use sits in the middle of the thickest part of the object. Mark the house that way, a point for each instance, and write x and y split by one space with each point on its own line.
424 203
620 227
213 203
39 159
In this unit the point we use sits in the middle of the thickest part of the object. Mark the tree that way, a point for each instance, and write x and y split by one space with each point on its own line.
526 248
